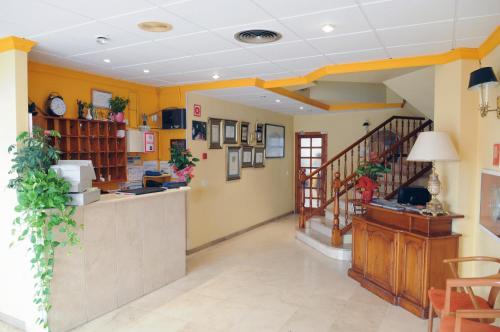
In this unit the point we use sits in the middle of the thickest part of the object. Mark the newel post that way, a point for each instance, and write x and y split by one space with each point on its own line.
302 177
336 234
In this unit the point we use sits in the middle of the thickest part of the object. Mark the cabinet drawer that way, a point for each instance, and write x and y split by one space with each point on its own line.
380 256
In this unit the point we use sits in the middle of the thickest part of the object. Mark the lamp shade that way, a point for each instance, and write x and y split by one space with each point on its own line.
433 146
482 76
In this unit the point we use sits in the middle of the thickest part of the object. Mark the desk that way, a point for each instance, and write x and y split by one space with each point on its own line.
399 255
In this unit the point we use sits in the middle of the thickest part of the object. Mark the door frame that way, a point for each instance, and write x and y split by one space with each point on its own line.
324 158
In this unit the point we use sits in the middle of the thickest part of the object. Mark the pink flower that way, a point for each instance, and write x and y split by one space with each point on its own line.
47 133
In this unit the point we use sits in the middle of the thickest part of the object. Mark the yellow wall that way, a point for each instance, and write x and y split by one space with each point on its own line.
218 208
73 85
456 112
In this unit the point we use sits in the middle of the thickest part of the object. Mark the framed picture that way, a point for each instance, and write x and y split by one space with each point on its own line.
496 155
244 133
199 131
178 144
214 133
259 134
489 210
246 156
100 99
233 167
230 132
258 157
275 141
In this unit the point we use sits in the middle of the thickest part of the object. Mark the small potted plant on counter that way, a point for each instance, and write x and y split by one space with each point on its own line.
183 164
369 173
117 106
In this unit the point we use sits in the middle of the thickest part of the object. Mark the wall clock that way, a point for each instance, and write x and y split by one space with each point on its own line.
55 105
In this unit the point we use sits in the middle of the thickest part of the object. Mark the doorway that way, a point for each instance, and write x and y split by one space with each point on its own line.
311 151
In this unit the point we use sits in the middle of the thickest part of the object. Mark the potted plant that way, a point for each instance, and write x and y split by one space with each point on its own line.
183 164
43 217
117 106
369 173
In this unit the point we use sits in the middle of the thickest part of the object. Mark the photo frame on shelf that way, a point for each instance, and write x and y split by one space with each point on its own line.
233 163
214 141
259 134
245 133
246 156
230 132
100 99
258 157
199 131
275 141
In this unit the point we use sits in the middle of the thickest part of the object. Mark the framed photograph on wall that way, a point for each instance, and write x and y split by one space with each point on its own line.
100 99
489 210
275 141
259 134
258 157
199 131
233 164
178 144
244 133
246 156
230 132
214 133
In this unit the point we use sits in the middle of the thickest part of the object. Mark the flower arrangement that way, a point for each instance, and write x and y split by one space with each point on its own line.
117 106
369 173
183 163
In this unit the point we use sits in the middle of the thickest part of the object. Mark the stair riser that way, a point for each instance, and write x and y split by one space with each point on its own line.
327 230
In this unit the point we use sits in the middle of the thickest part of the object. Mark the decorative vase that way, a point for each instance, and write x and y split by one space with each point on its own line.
119 117
89 115
367 196
112 116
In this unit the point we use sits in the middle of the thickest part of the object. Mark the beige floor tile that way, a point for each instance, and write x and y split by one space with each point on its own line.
306 320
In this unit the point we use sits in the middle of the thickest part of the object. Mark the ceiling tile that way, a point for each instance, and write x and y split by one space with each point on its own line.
470 8
173 66
422 33
231 58
99 9
366 55
134 54
346 43
82 39
419 49
304 63
470 42
198 43
202 75
219 13
33 17
295 49
286 8
277 76
254 70
385 14
476 27
346 20
129 23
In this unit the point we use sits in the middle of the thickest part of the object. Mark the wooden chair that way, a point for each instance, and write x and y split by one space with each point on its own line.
463 298
460 320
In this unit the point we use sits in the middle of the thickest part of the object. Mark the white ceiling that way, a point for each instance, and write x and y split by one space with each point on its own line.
201 42
376 76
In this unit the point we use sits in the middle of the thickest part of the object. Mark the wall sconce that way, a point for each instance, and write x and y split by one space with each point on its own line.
482 79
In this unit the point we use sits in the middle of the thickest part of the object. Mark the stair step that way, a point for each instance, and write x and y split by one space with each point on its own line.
322 244
324 226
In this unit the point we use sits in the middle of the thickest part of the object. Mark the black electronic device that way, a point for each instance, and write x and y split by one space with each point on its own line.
413 195
173 118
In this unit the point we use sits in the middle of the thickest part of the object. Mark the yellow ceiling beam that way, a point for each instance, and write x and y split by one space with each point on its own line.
16 43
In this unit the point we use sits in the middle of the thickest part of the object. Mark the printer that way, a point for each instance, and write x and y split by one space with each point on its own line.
79 174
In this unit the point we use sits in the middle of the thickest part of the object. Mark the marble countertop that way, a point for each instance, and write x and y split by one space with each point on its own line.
111 198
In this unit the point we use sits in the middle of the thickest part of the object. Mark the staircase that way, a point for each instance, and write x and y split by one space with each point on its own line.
328 206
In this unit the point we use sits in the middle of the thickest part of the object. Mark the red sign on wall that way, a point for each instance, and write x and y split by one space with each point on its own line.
149 142
197 110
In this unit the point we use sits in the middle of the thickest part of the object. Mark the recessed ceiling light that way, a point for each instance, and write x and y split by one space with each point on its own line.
153 26
327 28
102 40
301 107
278 100
146 71
107 60
215 76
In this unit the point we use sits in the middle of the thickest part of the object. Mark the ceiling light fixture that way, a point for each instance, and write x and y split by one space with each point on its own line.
301 107
153 26
278 100
327 28
107 60
103 40
146 71
215 76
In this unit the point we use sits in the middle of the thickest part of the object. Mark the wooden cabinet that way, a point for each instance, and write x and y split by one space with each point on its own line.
398 256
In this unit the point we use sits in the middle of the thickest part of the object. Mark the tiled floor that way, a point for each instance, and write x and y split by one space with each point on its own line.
264 280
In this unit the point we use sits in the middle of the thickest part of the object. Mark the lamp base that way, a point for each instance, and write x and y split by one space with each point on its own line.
434 208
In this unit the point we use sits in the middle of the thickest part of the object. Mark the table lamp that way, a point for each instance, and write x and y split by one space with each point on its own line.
432 146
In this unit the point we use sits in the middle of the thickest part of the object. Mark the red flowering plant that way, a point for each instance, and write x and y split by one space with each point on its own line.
369 173
183 163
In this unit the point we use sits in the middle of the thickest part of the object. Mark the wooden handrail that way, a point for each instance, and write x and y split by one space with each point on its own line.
353 145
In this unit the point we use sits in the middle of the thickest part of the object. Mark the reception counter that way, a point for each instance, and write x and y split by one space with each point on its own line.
131 246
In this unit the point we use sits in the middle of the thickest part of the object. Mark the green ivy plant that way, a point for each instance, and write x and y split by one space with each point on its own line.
42 211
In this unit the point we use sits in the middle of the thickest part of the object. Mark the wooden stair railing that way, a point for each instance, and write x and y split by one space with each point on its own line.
390 142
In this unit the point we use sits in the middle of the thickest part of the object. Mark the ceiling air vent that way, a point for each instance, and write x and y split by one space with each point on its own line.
257 36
